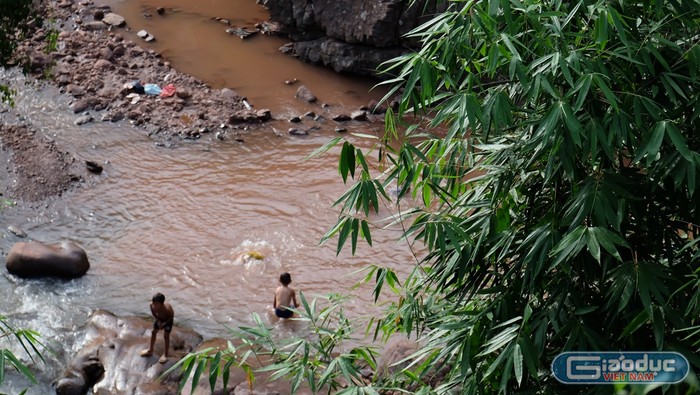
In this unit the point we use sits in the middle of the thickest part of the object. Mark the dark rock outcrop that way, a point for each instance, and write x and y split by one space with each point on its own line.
34 259
351 35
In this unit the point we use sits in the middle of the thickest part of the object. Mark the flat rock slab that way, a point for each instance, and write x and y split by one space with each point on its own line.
110 362
114 19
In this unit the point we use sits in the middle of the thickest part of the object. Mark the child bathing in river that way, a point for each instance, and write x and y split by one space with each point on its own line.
164 315
284 296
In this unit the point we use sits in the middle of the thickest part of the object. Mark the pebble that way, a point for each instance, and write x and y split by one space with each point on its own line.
359 115
83 119
341 118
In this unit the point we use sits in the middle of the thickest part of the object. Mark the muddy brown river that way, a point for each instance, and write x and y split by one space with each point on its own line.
177 218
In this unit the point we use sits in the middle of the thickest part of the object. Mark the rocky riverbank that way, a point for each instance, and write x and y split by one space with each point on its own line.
82 48
349 35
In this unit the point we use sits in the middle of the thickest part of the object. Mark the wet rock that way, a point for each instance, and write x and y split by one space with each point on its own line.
344 57
310 114
83 104
298 132
114 19
15 230
94 26
93 167
303 93
146 36
394 104
356 34
375 108
341 118
240 32
229 93
270 28
287 48
295 119
72 385
83 120
35 259
359 115
264 114
110 361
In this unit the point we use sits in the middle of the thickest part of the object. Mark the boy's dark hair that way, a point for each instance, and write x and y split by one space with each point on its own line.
158 298
285 278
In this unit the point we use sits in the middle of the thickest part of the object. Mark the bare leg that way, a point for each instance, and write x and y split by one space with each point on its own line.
149 352
167 343
166 337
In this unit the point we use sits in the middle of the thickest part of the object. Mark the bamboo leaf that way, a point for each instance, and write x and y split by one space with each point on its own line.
518 364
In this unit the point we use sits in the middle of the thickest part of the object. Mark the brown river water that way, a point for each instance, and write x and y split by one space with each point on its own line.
177 219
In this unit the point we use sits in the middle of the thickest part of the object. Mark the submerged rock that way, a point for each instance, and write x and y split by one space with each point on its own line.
305 94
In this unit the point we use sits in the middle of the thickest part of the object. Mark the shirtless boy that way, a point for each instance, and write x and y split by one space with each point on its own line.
284 296
164 314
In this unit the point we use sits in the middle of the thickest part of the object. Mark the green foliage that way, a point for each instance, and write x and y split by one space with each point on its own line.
6 97
554 188
12 16
318 358
28 339
51 41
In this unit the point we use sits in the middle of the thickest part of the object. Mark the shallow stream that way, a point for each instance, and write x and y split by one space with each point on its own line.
177 218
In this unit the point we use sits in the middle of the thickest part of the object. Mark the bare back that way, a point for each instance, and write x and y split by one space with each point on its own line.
284 296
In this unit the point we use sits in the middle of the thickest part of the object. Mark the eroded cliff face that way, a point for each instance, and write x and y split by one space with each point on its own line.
351 35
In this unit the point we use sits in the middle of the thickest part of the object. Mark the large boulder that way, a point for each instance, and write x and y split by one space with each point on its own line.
344 57
375 28
35 259
110 360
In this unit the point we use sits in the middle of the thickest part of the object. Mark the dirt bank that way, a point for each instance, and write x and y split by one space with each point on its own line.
34 168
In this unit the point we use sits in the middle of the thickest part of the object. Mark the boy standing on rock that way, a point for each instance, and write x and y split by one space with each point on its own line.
164 315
